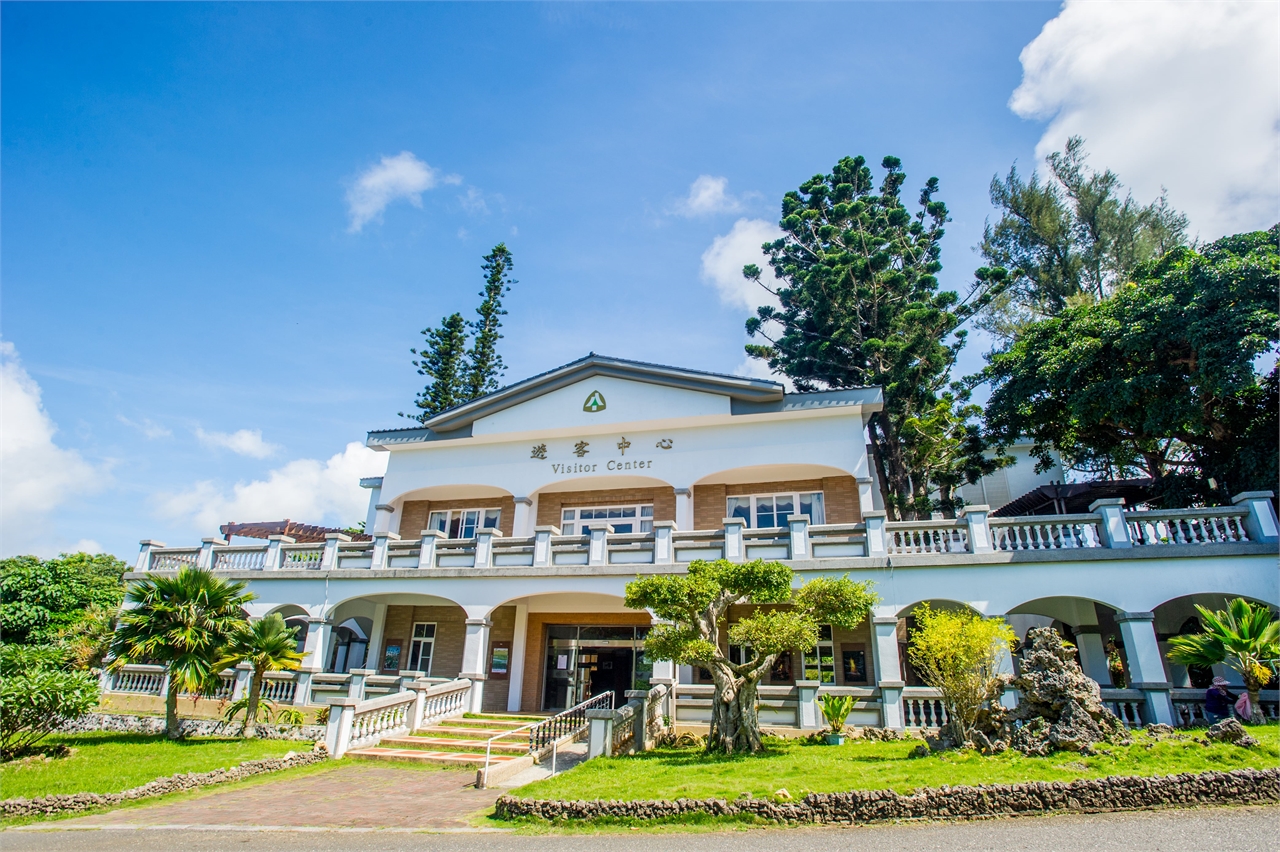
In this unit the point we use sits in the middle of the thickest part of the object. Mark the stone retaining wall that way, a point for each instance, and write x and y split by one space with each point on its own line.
1240 786
129 724
74 802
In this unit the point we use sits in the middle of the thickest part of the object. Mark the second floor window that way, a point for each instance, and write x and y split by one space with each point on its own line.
762 511
463 523
623 519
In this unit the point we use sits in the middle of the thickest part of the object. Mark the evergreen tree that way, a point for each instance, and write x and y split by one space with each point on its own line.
443 361
860 305
486 365
1071 237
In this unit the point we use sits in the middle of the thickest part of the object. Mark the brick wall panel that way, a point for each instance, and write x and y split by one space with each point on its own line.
551 504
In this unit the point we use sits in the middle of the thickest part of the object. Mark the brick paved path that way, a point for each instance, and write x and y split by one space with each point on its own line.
354 795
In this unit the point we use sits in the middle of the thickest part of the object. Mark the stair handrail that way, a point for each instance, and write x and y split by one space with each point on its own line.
551 730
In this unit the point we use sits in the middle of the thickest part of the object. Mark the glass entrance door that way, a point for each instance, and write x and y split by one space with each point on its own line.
583 662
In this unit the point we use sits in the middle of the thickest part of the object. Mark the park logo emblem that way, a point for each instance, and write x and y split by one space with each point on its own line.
594 403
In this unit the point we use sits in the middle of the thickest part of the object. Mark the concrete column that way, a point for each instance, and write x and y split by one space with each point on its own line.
316 647
875 520
799 525
1261 522
382 517
381 541
1004 666
373 657
884 637
542 557
205 559
484 548
427 548
664 552
274 555
1093 654
975 517
474 660
244 671
522 524
600 735
1111 522
144 554
374 484
866 494
1146 668
684 508
807 716
355 686
329 557
515 676
640 721
734 550
598 549
302 692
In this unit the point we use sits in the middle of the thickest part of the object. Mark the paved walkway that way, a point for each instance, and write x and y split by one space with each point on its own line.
353 795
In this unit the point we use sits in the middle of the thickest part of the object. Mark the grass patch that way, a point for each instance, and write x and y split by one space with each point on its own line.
107 762
803 768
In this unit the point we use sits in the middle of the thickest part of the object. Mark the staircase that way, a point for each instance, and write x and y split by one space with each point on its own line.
459 741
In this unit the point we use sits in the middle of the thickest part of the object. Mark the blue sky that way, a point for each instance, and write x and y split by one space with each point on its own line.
187 306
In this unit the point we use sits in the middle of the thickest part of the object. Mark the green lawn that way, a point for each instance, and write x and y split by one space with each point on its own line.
103 762
803 768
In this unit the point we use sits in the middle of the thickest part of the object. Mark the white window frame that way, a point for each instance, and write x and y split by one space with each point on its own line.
795 497
417 643
826 674
482 517
572 522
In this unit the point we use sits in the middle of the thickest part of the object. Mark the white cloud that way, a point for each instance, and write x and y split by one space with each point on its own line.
473 202
147 427
1176 94
391 178
36 475
87 545
707 196
244 442
754 368
723 260
306 490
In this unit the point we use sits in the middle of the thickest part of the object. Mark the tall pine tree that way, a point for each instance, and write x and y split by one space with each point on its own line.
486 364
458 374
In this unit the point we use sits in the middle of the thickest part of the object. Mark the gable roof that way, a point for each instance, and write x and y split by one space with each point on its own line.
747 395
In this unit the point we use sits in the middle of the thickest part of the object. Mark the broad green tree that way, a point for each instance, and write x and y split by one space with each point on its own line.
692 609
485 365
269 645
183 622
1158 378
859 304
1245 637
1075 231
42 598
958 653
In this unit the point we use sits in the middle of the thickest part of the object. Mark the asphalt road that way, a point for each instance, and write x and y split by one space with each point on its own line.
1244 829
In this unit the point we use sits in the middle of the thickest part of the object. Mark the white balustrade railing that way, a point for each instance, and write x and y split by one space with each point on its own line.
226 686
444 701
926 537
301 557
239 558
1127 704
1056 532
173 559
138 679
1187 526
922 708
279 687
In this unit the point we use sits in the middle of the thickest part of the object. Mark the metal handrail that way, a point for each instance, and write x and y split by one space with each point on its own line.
551 730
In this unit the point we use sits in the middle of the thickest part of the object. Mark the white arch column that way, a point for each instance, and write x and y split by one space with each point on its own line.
1146 669
884 638
475 652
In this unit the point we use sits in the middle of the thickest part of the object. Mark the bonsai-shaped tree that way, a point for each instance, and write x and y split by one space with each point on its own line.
183 622
958 653
1244 637
836 710
691 610
269 645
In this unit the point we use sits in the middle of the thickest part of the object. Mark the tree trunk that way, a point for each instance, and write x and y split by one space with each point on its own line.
895 484
171 707
251 709
735 721
1255 706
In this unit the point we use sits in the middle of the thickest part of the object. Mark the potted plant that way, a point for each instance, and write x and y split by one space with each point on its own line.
835 709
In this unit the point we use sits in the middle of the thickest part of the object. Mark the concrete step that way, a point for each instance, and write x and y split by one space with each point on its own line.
447 758
470 733
449 744
498 723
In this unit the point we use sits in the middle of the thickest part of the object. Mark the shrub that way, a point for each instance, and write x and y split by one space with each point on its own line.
37 695
836 709
959 653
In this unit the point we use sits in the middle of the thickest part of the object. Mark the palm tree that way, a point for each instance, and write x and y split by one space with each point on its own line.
270 646
1244 637
182 621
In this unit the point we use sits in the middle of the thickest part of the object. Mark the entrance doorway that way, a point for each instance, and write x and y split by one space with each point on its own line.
585 661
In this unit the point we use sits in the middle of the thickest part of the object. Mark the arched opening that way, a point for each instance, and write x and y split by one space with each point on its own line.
907 625
296 618
398 632
1179 616
458 511
350 644
1089 625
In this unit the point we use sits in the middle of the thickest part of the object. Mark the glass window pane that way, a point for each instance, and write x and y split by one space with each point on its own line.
491 517
764 512
739 507
814 506
628 511
567 514
646 526
439 521
615 513
567 529
455 526
646 511
783 507
623 527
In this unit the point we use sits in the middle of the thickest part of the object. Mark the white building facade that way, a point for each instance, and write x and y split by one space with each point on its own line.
505 530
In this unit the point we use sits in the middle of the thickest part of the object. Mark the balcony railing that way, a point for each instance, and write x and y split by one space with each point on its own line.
1252 520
